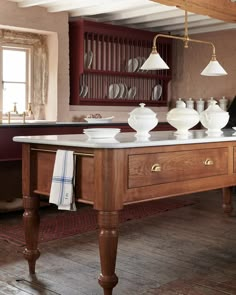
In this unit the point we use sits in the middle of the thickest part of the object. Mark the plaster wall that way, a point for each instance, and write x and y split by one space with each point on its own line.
55 26
188 64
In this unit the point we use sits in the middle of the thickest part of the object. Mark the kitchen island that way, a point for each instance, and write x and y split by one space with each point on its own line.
111 173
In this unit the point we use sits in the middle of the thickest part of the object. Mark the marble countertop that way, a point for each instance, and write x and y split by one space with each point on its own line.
129 140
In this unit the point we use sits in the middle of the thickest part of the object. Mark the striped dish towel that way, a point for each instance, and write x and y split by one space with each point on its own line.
62 190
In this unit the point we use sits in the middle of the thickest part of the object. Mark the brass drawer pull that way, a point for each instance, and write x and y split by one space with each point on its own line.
208 162
156 168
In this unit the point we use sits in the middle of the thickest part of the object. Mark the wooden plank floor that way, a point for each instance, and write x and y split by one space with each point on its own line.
186 251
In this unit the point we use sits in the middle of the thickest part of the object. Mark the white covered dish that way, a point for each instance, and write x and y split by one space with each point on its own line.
214 118
142 120
182 118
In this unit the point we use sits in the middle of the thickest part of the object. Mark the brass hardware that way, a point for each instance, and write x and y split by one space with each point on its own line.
29 110
156 168
208 162
52 151
24 117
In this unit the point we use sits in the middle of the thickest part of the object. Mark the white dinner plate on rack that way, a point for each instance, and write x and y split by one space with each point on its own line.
83 90
125 95
132 92
156 92
122 90
88 58
114 90
132 65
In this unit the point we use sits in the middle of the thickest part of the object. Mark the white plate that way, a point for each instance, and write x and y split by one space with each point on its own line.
132 92
101 132
114 90
122 90
99 120
157 92
85 92
125 95
88 58
81 90
132 65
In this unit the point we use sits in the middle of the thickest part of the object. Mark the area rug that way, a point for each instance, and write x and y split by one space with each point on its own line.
65 224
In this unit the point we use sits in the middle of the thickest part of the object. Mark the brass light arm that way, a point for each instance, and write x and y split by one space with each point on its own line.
186 39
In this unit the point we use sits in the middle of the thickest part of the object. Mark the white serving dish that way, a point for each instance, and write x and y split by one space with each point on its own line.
99 120
99 133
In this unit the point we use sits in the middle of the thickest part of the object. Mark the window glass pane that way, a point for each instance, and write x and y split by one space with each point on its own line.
14 92
14 65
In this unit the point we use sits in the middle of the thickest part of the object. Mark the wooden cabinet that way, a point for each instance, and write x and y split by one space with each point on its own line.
105 62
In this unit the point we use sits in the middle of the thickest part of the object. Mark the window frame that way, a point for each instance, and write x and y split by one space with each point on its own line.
29 70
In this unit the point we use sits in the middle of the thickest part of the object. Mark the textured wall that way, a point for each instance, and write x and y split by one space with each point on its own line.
188 64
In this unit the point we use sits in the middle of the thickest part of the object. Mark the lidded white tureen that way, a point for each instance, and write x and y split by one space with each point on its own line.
214 118
182 118
142 120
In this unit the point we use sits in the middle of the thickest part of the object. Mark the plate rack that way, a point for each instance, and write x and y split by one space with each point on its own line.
102 55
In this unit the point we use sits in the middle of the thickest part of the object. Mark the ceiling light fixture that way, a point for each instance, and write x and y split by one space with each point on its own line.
155 62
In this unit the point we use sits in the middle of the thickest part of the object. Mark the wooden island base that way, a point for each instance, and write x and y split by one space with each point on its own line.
110 178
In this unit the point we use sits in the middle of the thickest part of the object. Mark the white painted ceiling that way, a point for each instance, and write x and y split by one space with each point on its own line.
141 14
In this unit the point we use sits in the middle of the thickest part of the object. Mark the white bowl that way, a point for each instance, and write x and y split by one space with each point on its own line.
99 120
101 132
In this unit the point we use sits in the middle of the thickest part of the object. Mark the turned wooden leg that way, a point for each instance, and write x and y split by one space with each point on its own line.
227 200
108 240
31 228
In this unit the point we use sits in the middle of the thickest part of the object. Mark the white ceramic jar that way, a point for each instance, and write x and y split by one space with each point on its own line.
200 105
223 102
214 118
190 103
142 120
182 118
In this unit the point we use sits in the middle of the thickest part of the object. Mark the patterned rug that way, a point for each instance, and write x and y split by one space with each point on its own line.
65 223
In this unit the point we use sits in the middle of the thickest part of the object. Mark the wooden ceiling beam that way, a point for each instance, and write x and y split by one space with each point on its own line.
220 9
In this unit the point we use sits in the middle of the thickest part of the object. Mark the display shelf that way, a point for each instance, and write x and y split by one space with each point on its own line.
105 63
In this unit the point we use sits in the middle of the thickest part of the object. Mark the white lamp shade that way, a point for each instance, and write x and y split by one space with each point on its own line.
154 62
213 69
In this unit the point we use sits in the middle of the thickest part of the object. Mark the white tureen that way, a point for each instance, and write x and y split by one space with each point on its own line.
182 118
142 120
214 118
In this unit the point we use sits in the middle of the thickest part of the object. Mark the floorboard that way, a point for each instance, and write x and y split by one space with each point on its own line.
186 251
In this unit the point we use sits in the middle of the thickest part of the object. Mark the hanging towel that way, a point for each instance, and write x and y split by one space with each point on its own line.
62 191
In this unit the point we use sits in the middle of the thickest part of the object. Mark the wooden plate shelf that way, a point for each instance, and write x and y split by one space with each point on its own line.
103 55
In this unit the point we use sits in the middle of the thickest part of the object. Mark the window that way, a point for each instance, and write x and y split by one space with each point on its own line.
23 72
16 73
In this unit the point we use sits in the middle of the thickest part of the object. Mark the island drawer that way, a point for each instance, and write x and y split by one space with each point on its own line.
164 167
